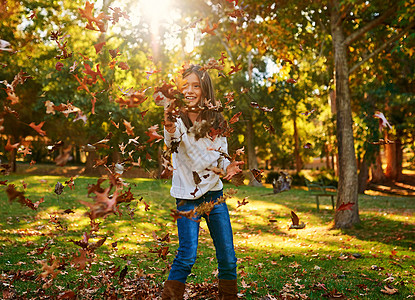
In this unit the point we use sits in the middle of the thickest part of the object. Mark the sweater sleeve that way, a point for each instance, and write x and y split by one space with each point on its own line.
168 137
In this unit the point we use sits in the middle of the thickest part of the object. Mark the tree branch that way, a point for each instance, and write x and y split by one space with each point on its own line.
358 33
381 48
343 16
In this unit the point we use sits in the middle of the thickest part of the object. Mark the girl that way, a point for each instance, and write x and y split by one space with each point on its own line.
195 155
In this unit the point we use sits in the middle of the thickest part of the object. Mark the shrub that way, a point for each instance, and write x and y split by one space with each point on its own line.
298 179
271 176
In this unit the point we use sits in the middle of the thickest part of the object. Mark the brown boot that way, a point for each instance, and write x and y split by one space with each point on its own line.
173 290
228 289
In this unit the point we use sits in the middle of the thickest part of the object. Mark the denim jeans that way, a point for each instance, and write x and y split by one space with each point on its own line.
220 229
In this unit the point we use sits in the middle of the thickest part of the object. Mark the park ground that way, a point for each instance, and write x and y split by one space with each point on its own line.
42 257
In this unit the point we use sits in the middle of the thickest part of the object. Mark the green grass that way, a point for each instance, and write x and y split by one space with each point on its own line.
272 260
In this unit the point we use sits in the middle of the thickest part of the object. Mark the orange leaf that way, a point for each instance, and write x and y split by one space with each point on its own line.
235 118
98 47
209 29
38 128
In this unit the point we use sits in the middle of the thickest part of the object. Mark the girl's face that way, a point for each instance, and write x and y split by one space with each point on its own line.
192 90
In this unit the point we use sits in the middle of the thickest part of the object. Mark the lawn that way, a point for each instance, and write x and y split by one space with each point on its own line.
45 253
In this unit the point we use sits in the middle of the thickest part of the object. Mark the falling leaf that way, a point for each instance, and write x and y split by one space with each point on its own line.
128 128
59 66
153 135
58 188
98 47
4 46
382 120
345 206
258 174
235 118
196 178
263 108
243 202
123 66
235 69
98 21
307 113
38 128
208 29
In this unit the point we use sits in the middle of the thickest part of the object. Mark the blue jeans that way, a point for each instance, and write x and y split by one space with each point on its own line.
220 230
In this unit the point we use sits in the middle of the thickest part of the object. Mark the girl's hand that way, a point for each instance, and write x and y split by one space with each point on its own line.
233 169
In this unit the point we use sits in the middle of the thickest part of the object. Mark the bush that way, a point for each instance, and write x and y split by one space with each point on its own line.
298 179
271 176
328 178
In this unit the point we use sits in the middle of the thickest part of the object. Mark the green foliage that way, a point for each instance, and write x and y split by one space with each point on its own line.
327 177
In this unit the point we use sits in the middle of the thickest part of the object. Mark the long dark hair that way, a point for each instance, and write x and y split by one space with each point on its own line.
213 117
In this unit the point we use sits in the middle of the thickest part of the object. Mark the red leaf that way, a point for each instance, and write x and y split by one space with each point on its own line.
59 66
291 80
345 206
235 69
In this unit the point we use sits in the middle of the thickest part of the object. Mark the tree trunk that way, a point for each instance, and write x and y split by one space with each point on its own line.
326 149
393 159
13 165
89 165
363 177
298 160
377 171
347 188
250 146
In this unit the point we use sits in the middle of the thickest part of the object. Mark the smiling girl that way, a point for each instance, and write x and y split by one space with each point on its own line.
200 153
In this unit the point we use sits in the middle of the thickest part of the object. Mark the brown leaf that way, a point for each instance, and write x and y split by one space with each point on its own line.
153 135
196 178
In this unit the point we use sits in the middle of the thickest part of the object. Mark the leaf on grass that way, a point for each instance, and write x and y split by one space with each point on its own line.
389 290
296 222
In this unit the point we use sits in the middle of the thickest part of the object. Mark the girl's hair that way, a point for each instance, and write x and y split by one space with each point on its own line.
213 117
